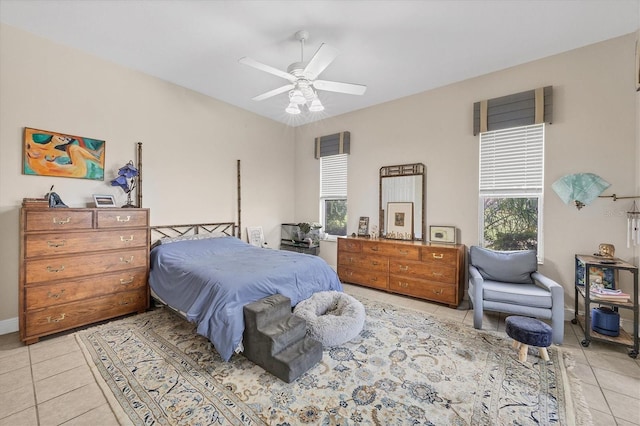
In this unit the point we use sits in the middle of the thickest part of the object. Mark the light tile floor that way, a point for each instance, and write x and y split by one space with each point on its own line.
50 383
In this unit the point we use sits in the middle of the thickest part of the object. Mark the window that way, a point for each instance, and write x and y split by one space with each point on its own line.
511 188
333 194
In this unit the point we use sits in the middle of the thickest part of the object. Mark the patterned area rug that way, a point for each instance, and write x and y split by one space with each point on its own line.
406 367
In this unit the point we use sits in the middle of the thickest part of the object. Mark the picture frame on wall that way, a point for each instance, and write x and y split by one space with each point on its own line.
442 234
47 153
363 226
400 221
104 200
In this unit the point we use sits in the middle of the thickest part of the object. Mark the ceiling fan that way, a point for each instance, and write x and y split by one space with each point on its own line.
303 81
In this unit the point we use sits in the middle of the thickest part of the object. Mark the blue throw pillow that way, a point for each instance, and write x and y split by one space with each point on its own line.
505 266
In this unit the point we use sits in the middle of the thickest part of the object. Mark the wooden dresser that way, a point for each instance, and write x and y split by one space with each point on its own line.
79 266
425 270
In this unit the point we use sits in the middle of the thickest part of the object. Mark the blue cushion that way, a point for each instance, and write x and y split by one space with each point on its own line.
529 331
529 295
505 266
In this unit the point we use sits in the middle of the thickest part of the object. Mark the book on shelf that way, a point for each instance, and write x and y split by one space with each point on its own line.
611 295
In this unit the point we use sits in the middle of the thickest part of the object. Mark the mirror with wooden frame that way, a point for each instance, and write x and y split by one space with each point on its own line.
401 185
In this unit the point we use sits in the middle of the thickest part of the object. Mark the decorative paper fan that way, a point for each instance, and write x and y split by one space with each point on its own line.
580 188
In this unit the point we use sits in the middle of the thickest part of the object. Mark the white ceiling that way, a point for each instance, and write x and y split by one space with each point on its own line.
396 48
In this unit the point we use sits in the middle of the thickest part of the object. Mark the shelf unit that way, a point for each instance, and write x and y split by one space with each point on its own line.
582 293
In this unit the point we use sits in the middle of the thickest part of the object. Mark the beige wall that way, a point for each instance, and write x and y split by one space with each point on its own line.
190 145
594 130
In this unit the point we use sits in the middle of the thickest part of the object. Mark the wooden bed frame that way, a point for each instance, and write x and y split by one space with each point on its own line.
229 228
172 231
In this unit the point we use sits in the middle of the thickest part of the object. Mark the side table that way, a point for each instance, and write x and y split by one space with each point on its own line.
582 292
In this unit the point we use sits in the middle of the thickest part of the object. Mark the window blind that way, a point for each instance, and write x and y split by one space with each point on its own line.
519 109
338 143
512 161
333 176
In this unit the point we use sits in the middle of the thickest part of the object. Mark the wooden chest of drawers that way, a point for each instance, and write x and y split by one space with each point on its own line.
79 266
428 271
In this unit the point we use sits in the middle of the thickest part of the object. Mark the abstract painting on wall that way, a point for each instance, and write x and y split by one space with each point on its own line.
55 154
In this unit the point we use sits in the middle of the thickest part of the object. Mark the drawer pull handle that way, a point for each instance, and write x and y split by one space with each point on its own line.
60 243
437 255
129 260
374 279
403 268
437 274
55 295
60 269
403 284
374 263
125 302
374 248
127 219
57 221
126 240
351 260
50 320
404 251
129 281
437 292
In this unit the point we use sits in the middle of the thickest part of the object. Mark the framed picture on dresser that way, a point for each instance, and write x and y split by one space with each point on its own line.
400 221
104 200
363 226
442 234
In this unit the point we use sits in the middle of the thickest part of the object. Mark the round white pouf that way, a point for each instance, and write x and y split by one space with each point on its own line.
333 317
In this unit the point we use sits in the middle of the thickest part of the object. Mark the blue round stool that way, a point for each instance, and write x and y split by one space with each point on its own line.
529 332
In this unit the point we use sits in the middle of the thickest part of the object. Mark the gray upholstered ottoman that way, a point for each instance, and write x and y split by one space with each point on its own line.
527 332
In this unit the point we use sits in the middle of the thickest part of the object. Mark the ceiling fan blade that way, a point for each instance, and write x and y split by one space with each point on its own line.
335 86
273 92
320 60
267 68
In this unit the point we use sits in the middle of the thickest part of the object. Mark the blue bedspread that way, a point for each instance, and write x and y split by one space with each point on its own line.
212 279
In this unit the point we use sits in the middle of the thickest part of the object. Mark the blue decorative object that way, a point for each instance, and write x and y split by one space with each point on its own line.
126 181
602 276
529 331
605 321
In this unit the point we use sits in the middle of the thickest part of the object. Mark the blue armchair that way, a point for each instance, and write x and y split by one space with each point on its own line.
509 282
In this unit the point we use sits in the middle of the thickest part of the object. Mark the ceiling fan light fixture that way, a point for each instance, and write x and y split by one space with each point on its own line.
303 79
293 109
296 97
316 105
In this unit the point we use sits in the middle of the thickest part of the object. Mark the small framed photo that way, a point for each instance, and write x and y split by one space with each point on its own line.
104 200
400 221
442 234
363 226
255 236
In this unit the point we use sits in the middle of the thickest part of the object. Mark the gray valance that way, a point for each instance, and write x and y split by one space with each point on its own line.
520 109
338 143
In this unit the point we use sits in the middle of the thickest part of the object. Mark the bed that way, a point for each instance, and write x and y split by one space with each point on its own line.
208 274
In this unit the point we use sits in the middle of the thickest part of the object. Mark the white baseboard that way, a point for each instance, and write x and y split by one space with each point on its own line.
9 326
